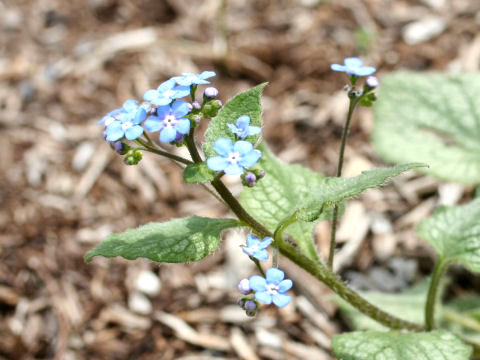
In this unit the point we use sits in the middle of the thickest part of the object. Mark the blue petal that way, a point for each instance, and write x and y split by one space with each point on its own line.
254 130
130 105
153 124
140 115
261 255
257 283
180 109
223 146
242 147
353 62
337 67
114 131
281 300
183 126
365 71
150 95
167 85
233 128
243 122
252 240
161 101
168 134
217 163
233 169
285 285
162 111
266 242
275 275
251 158
181 91
133 132
264 297
206 74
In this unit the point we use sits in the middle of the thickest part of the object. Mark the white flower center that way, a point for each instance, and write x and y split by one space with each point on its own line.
169 120
234 158
272 289
168 93
252 249
190 78
127 125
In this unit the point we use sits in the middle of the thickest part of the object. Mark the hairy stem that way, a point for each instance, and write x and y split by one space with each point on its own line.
346 128
440 268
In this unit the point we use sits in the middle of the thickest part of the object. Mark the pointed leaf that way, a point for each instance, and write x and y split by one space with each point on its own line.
454 233
246 103
393 345
276 195
432 118
335 190
177 240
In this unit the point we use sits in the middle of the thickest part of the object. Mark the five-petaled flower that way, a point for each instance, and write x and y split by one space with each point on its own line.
189 79
256 248
126 123
166 93
272 288
170 121
354 66
243 128
233 158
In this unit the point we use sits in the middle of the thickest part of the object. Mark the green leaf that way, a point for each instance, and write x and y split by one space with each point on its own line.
198 173
409 304
394 345
431 118
246 103
335 190
454 233
276 196
174 241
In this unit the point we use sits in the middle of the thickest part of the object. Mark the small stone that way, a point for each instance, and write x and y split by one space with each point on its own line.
82 155
139 303
423 30
148 283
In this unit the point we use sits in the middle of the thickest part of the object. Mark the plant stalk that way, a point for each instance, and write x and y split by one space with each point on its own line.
438 271
346 128
147 147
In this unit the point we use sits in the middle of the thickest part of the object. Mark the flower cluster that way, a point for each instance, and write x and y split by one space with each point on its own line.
269 289
161 111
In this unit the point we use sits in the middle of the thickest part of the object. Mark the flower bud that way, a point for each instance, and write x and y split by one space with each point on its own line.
241 303
260 174
196 105
371 82
210 109
210 92
120 147
250 305
250 179
179 137
244 286
133 157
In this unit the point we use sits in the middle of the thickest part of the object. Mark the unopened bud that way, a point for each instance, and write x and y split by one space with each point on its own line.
244 286
371 82
179 138
250 179
210 92
196 105
241 303
250 305
120 147
260 174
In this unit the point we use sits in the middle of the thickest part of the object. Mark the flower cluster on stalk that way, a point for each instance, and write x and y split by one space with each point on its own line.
269 289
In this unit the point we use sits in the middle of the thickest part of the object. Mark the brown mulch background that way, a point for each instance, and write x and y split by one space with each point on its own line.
63 64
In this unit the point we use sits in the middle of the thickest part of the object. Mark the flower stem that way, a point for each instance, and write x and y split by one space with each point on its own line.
147 147
317 269
346 128
438 271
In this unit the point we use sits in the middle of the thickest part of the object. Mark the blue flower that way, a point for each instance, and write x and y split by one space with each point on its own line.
273 288
129 118
110 117
243 128
170 120
256 248
354 66
166 93
189 79
233 157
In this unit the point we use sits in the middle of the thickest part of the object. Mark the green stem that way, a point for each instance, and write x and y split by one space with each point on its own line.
192 148
440 268
317 269
465 321
346 128
146 147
